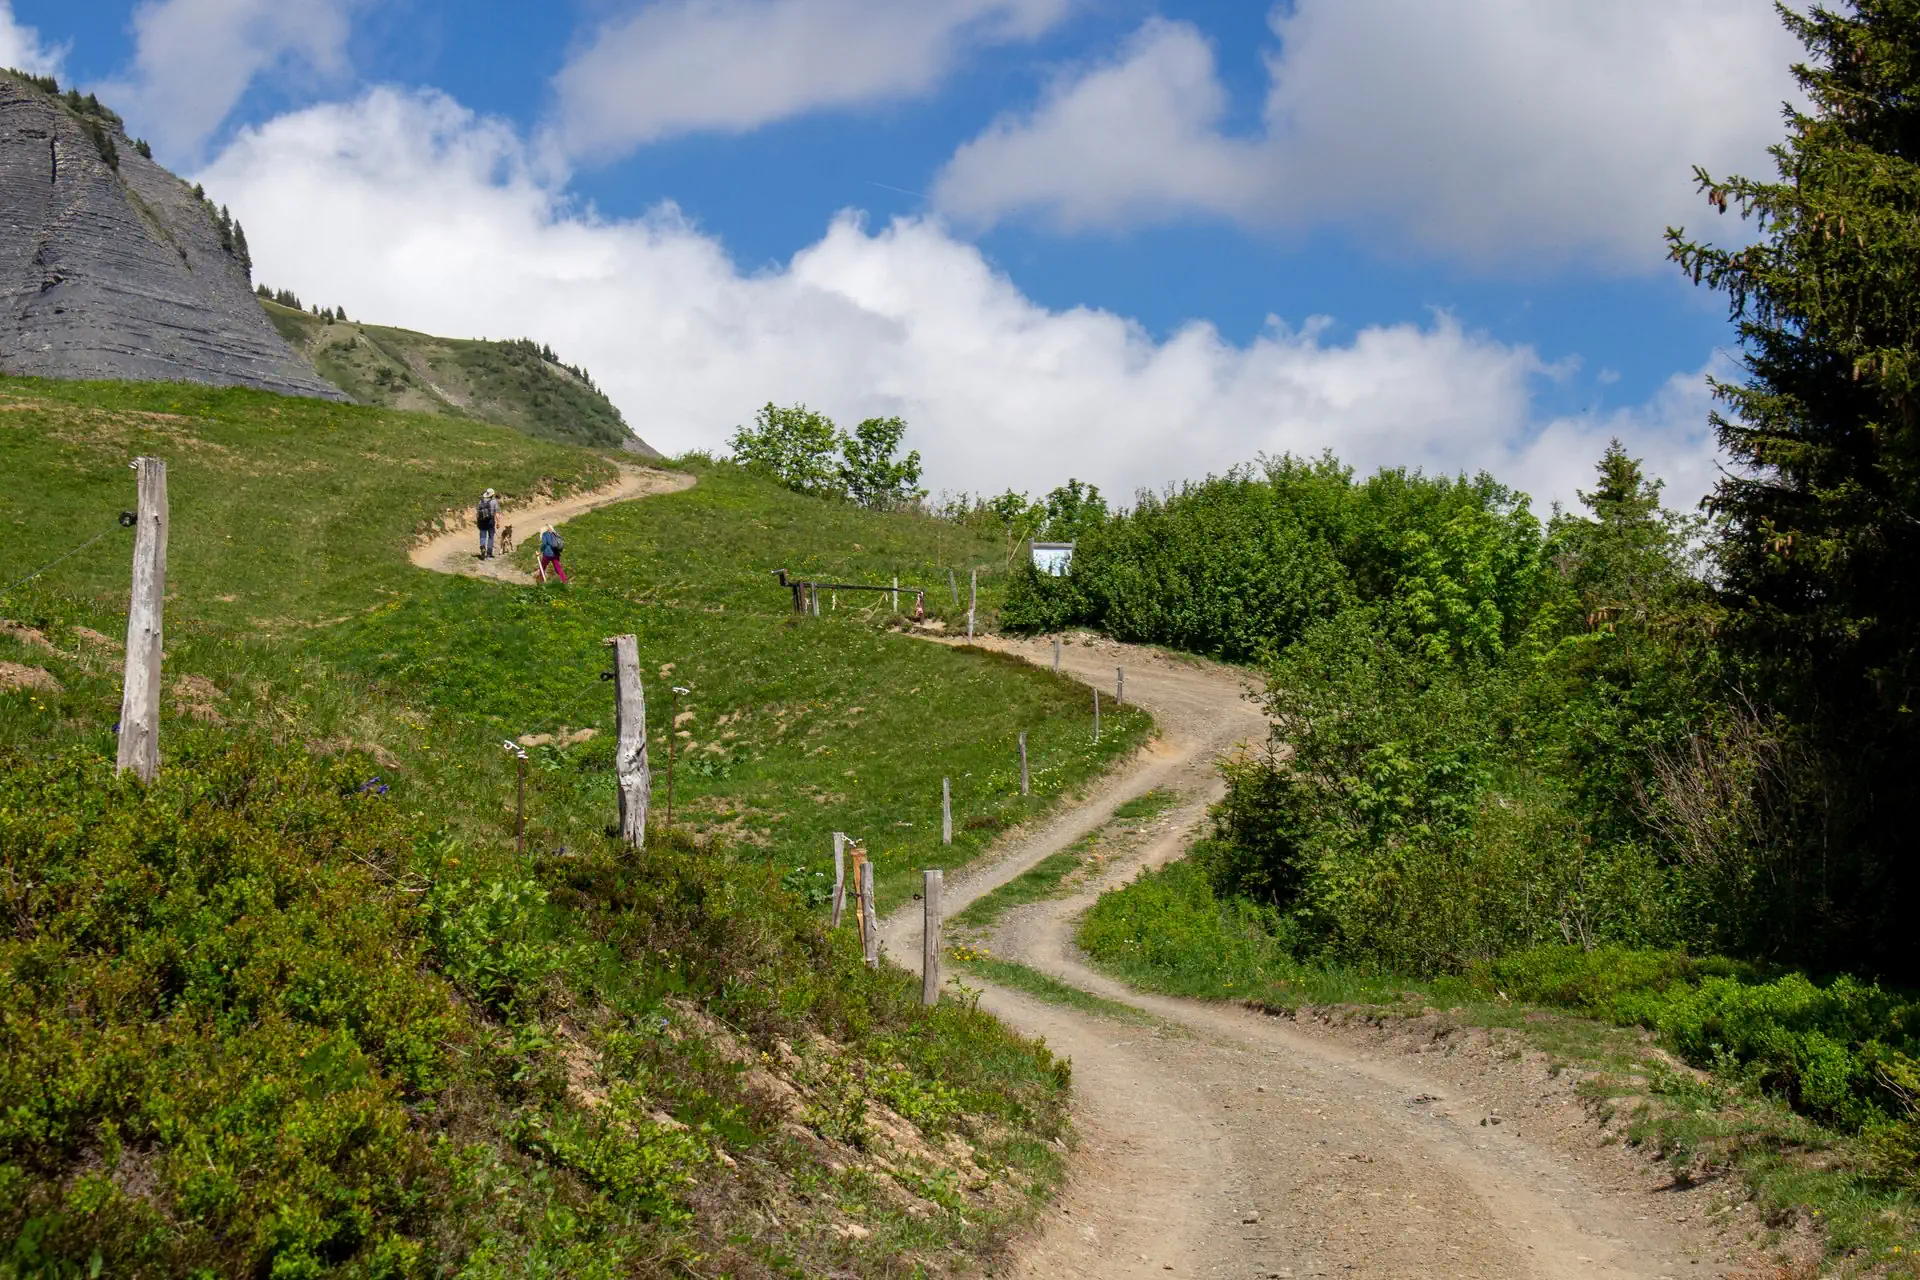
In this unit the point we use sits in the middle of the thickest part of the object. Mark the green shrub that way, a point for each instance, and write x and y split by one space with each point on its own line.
215 1018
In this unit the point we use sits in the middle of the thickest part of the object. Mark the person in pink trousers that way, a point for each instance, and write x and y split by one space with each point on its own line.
551 545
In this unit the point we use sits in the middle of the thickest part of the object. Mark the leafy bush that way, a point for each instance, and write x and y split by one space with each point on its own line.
1241 565
215 1020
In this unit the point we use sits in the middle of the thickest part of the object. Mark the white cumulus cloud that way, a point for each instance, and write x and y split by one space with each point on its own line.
1484 130
410 210
194 59
20 46
683 66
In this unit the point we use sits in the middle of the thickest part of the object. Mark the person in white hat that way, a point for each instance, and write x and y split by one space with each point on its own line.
485 515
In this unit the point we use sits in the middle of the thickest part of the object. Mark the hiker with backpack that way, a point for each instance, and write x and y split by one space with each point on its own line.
484 515
551 545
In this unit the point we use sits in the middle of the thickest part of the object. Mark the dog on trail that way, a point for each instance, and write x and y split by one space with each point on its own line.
506 539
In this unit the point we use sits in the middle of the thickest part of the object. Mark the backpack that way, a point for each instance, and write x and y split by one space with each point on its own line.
483 513
555 544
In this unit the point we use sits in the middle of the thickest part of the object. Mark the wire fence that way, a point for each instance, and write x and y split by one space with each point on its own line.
126 521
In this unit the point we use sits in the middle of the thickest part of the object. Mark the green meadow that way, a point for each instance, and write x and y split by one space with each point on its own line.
312 1011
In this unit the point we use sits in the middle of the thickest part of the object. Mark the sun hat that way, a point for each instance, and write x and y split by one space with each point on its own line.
487 494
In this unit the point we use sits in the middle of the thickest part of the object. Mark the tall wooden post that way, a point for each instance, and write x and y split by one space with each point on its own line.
839 878
870 921
140 693
954 588
930 938
973 601
630 771
1096 716
896 593
946 811
1056 655
856 859
1119 686
1024 789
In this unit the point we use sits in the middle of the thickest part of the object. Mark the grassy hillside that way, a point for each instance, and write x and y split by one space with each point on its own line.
501 382
304 1008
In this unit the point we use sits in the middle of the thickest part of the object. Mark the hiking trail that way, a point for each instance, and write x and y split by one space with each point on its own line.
1215 1140
457 551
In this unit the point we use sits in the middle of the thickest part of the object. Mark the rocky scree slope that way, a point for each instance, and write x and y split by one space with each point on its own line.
112 268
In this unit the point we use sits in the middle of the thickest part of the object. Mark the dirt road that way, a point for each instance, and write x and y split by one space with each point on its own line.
457 552
1229 1143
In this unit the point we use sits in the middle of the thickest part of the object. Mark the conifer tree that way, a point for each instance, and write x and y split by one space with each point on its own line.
1820 563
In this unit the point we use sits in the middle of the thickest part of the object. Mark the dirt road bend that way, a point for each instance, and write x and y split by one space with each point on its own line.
457 551
1222 1142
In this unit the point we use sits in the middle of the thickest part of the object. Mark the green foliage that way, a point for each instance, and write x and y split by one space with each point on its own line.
794 446
1240 565
871 475
797 447
1818 562
46 84
215 1019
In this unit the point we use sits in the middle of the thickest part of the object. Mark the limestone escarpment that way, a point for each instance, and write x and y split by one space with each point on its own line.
119 272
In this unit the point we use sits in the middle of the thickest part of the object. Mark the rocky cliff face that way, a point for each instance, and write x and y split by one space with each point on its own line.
119 272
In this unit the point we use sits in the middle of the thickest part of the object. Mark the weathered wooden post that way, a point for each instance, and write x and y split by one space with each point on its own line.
946 811
896 593
839 878
630 771
1056 655
140 691
930 938
1096 717
857 858
1119 686
869 919
520 805
953 587
1024 790
973 601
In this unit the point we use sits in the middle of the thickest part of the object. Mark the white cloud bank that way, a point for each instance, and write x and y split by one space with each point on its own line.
194 59
684 66
412 211
20 47
1484 130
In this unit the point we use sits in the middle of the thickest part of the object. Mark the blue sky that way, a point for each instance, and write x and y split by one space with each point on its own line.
1109 237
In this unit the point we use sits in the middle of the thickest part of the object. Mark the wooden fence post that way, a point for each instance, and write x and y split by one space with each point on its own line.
896 593
1119 686
953 587
867 915
930 938
630 771
1024 789
946 812
1056 655
520 806
1096 717
839 878
140 691
973 601
856 860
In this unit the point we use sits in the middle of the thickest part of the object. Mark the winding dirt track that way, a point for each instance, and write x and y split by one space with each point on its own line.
1228 1143
458 551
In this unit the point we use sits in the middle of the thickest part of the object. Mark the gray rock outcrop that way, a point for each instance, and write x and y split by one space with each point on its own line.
120 272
